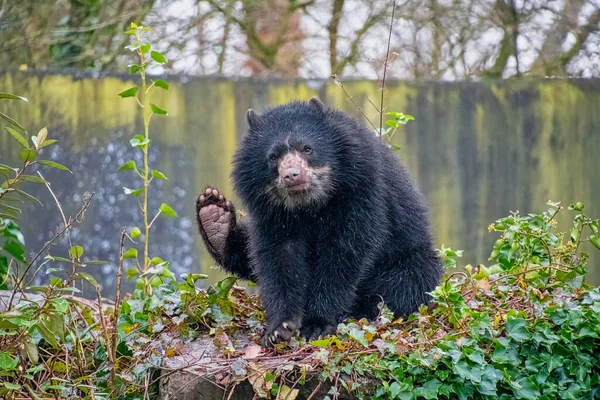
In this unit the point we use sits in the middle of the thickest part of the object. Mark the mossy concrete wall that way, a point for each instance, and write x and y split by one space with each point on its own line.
476 150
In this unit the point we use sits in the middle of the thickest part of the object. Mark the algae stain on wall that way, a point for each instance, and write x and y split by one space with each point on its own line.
476 150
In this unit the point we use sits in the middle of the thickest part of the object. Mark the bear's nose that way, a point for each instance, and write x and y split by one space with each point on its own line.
291 175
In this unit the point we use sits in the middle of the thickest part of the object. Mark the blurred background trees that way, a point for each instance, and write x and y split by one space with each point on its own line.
433 39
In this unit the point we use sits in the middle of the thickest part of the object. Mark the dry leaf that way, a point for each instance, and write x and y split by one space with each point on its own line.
252 351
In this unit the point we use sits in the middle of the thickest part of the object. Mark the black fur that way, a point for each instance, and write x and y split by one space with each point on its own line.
316 264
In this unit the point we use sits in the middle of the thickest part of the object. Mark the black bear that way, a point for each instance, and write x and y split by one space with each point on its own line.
335 224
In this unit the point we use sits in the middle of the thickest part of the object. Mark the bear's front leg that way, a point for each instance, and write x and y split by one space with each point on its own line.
225 238
283 271
333 285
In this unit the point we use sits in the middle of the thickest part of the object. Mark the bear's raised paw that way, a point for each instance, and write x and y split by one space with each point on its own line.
216 219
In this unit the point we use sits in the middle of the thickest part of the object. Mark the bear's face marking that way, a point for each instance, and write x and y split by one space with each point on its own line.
296 183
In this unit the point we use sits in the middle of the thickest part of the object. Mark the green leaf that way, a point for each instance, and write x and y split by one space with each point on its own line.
130 32
225 285
579 206
48 143
359 335
12 97
131 253
131 92
12 386
132 272
133 69
135 232
395 390
528 388
76 251
430 389
26 155
595 240
391 123
139 141
86 277
516 330
32 178
28 196
167 210
11 121
128 166
60 305
135 192
7 362
53 164
134 25
161 84
157 109
158 175
20 138
158 57
47 334
145 47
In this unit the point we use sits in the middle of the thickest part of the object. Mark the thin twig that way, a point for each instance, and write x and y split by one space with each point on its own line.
314 392
385 65
117 304
46 245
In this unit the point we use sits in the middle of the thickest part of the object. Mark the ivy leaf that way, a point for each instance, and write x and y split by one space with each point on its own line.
167 210
131 92
516 330
358 335
158 110
20 138
528 388
158 57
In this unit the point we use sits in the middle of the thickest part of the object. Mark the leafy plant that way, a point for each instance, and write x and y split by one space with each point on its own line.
147 58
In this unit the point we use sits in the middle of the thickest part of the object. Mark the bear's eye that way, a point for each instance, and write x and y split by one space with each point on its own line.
273 157
307 150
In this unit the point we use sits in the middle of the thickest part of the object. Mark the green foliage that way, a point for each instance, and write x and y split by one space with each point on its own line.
147 58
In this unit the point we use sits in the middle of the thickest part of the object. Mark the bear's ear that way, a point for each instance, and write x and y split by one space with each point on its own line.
251 117
316 104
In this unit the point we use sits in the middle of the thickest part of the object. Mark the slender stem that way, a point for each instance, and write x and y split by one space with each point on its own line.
385 65
146 171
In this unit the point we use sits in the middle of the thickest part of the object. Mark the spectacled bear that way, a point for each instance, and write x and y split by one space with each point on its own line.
335 224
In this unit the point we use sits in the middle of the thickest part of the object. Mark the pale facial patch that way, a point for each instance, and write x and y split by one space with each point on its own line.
317 184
